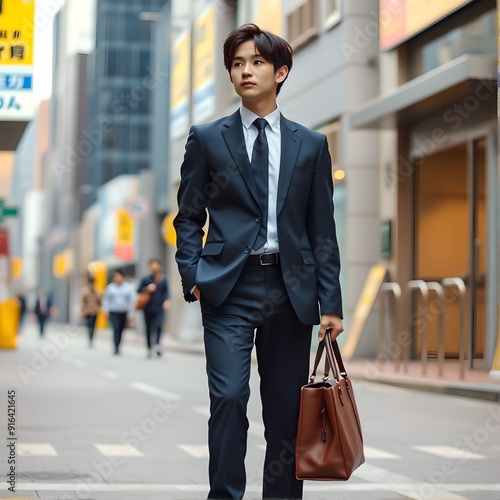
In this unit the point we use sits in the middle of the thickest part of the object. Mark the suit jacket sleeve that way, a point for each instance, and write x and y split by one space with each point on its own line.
322 234
192 214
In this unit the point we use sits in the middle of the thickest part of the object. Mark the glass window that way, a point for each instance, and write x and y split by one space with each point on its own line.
107 170
125 62
112 62
144 62
475 37
112 26
144 31
122 135
143 137
108 139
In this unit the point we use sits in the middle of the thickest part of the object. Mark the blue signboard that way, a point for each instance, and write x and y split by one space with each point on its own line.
14 81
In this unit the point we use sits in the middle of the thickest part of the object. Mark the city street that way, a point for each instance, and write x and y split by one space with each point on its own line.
92 425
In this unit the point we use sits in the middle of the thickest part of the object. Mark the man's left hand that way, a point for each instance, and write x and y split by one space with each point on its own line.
330 322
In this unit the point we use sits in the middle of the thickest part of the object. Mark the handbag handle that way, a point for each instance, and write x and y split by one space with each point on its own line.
319 353
338 358
333 359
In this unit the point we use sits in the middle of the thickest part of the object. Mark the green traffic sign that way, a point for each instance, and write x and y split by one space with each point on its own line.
6 211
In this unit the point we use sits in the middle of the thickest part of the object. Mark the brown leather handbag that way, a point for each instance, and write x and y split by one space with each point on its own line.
142 300
329 440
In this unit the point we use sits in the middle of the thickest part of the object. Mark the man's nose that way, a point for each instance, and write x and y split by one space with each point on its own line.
247 70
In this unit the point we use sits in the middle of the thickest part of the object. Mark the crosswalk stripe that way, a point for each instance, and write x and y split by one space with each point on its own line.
110 374
255 428
118 450
36 450
196 451
403 485
449 452
153 391
372 453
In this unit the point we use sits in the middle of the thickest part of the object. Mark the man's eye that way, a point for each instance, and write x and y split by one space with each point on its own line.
236 64
258 62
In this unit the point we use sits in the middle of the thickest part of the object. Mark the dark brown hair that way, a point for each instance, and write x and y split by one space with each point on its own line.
271 47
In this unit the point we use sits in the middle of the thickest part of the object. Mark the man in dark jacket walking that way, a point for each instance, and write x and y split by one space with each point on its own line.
155 284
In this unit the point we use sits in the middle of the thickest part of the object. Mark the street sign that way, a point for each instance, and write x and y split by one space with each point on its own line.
17 21
138 208
124 236
6 211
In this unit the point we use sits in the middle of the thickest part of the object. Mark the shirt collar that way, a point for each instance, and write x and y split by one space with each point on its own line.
248 117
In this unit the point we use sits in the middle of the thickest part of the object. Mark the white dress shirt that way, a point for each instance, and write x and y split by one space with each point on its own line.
273 135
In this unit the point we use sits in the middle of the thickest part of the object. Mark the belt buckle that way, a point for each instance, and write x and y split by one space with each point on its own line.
266 263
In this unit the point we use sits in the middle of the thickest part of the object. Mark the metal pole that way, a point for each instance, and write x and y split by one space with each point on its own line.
395 290
421 286
459 284
436 287
381 333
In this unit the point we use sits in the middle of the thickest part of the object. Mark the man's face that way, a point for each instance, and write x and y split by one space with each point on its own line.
118 278
253 77
154 267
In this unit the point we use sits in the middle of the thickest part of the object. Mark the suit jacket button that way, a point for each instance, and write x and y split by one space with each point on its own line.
248 250
258 218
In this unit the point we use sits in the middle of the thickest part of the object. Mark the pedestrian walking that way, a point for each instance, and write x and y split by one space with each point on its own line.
155 302
22 307
270 263
43 307
118 305
91 305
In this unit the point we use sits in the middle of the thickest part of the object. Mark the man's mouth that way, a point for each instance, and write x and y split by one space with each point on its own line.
247 84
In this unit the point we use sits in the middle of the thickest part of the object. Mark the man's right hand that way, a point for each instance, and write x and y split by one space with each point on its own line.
196 292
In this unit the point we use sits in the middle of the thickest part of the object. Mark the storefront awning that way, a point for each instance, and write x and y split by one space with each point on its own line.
433 91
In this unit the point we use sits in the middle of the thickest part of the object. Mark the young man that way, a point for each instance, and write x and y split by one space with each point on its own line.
157 287
270 263
118 304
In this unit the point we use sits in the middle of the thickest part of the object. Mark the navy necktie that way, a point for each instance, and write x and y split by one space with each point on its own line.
260 168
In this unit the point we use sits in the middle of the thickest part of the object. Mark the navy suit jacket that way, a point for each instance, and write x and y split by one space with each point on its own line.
216 176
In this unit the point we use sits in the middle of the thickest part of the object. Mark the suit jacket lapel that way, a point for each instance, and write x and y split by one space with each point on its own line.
233 135
290 145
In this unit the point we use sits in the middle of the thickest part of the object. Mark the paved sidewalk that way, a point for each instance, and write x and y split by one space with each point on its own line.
477 383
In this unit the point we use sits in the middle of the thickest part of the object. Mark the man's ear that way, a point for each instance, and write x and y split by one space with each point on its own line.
230 78
281 74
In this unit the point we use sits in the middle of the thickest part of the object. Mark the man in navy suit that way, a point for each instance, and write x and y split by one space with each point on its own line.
270 266
43 306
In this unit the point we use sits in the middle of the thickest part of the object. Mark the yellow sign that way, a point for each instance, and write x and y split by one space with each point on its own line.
363 308
180 70
168 230
269 15
17 268
204 66
124 227
16 32
402 19
179 86
124 236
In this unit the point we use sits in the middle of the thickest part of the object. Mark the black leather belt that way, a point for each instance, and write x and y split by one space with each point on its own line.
264 259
